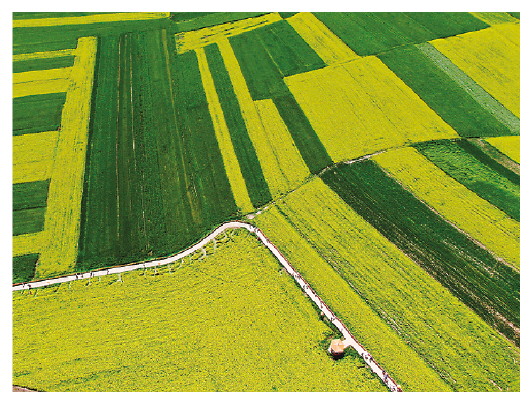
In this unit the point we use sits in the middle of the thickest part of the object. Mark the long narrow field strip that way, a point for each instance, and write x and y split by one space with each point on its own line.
361 107
244 305
471 273
86 19
287 167
37 113
268 160
445 88
32 171
233 169
43 55
197 39
29 243
63 211
33 147
41 75
251 169
465 351
40 87
509 146
32 65
30 194
400 360
472 214
495 18
194 21
477 176
325 43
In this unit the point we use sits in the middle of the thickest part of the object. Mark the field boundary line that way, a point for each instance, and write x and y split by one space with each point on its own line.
349 338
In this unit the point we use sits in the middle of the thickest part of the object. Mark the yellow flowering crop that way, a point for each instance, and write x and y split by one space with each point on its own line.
491 58
475 216
362 107
508 145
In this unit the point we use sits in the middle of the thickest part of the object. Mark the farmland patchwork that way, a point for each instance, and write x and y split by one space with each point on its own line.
379 152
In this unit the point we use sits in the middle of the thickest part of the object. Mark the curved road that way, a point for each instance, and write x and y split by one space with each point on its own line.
349 339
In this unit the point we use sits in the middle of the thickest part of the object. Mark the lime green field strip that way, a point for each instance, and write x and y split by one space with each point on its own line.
63 212
43 55
491 58
397 357
41 75
324 42
476 217
233 170
40 87
466 352
34 147
32 171
509 146
286 168
495 18
266 150
28 243
202 37
362 107
87 19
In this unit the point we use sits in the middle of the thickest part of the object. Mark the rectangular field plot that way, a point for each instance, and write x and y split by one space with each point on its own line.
491 58
37 113
479 219
486 180
487 286
230 322
465 351
361 107
156 181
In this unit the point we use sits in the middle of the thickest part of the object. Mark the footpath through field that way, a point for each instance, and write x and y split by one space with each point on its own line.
349 339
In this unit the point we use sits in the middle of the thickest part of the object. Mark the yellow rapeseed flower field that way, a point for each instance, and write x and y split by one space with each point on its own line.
362 107
491 58
229 322
391 351
475 216
63 210
324 42
508 145
447 334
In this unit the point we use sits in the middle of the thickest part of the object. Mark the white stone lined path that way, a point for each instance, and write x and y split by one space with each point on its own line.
349 339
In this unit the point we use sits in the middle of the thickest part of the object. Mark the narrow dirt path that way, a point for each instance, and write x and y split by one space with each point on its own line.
349 339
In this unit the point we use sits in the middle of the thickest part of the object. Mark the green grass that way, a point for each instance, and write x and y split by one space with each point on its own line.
155 177
289 52
37 113
474 174
231 322
372 33
30 194
443 94
42 64
485 285
24 267
246 155
28 220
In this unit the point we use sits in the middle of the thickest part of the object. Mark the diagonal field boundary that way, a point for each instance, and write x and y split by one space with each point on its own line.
349 339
